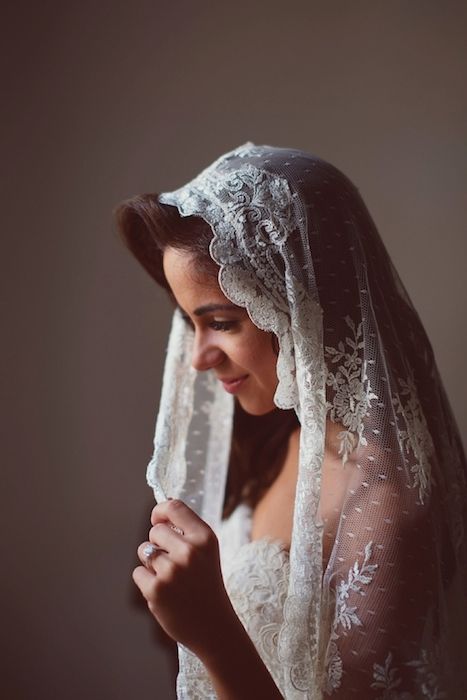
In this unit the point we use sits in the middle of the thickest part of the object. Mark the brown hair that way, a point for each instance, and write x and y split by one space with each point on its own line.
259 443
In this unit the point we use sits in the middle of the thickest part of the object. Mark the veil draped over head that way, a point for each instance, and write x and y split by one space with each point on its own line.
297 247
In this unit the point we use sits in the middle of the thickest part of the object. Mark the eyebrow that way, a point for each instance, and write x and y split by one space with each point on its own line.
209 308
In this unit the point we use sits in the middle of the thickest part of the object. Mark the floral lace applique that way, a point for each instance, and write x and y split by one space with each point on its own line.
415 437
193 681
256 580
427 669
346 615
353 392
256 576
387 678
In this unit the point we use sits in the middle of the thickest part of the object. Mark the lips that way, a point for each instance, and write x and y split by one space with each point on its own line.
232 385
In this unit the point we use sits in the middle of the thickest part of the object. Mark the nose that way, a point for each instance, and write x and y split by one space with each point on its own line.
205 355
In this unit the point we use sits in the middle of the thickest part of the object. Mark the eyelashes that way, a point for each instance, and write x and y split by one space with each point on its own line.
221 326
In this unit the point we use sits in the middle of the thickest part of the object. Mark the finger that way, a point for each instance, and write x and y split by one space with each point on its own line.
180 515
147 552
147 579
162 536
146 582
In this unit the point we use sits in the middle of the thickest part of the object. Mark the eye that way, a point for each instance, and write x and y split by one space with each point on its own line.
222 325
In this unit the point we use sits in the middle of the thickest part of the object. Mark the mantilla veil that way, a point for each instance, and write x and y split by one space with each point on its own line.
298 249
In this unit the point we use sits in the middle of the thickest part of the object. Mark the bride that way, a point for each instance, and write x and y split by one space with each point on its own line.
308 538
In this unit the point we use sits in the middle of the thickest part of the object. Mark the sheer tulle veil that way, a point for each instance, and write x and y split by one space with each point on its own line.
297 247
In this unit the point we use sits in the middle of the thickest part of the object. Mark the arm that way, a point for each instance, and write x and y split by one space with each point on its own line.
382 579
236 669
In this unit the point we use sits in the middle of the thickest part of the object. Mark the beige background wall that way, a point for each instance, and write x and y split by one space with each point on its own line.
106 99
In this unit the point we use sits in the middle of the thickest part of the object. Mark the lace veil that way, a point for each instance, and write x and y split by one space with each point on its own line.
297 247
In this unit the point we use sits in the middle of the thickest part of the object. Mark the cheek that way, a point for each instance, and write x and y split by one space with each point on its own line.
264 356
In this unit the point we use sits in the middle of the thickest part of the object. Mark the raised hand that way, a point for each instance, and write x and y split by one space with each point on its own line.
181 579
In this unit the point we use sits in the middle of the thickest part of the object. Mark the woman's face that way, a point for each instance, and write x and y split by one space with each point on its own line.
226 340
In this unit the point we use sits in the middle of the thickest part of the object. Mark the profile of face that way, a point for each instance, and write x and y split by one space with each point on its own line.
226 340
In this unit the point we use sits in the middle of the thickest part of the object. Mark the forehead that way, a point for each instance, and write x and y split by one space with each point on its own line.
188 283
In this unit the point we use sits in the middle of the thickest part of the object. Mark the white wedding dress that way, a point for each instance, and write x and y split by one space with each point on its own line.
256 575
